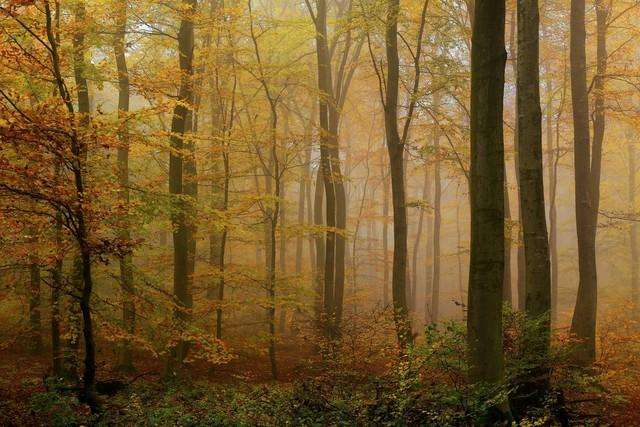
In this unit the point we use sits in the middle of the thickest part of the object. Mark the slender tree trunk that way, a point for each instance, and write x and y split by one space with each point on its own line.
35 306
385 237
553 214
178 185
416 243
56 288
273 187
395 148
586 166
319 245
513 54
79 151
312 240
459 251
327 140
507 291
635 284
56 273
282 256
486 270
126 268
341 217
437 221
303 194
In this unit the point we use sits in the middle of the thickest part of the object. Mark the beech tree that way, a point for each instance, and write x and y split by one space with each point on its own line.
486 269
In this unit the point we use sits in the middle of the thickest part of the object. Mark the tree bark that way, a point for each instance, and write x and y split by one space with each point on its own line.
385 237
587 176
319 245
553 214
178 185
532 205
126 264
437 221
395 148
521 279
56 288
486 270
419 231
79 152
633 242
530 169
35 306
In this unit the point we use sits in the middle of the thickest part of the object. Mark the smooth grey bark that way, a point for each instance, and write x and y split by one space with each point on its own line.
486 269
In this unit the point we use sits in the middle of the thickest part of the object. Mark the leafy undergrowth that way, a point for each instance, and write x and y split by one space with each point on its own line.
357 381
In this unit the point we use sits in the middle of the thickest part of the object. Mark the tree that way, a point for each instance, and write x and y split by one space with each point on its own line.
531 190
332 93
126 268
486 269
389 84
587 164
178 185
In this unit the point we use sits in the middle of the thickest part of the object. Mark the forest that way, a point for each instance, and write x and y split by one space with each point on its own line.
319 212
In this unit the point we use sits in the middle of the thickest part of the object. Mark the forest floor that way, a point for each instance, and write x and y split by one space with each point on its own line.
359 388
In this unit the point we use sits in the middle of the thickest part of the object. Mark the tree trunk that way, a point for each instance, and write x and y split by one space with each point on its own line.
56 289
532 206
273 187
35 317
584 317
319 245
553 214
178 187
513 54
126 268
437 220
385 237
635 285
327 140
531 172
486 269
416 243
459 251
507 291
282 256
395 148
79 151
